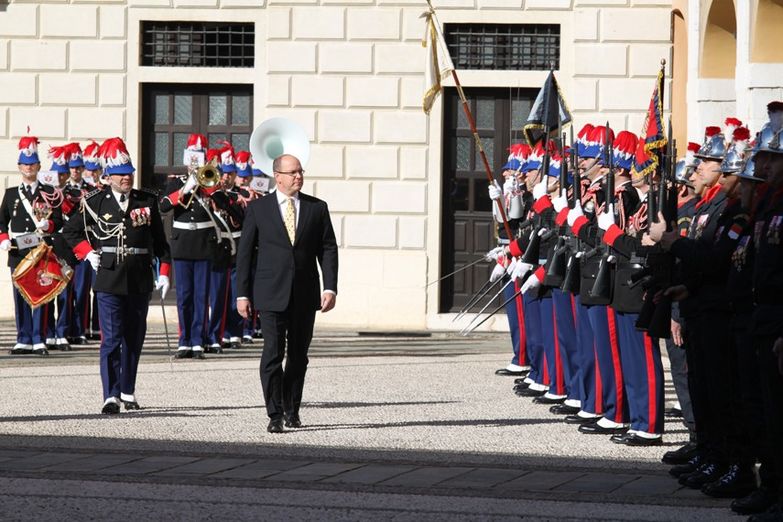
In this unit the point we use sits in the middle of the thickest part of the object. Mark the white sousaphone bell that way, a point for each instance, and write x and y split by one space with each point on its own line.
277 136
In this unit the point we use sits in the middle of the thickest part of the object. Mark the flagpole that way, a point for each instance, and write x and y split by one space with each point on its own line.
479 146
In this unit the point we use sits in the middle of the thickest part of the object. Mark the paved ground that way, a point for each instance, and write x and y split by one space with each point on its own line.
396 427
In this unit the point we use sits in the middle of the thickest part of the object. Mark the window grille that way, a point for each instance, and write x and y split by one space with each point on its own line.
195 44
511 47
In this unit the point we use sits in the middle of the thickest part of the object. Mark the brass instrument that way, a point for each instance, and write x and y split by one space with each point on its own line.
207 176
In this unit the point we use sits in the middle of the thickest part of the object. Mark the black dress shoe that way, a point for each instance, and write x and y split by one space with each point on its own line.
131 405
110 408
199 354
275 426
247 339
576 419
20 351
293 421
548 400
681 455
520 380
258 334
235 345
64 347
689 467
521 386
632 439
737 482
42 352
183 354
758 501
506 372
563 409
527 392
596 429
709 472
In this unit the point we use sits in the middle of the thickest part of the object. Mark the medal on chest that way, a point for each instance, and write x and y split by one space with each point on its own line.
773 232
140 216
740 254
700 223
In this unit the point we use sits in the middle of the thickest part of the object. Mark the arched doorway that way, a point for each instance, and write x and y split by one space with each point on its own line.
719 43
767 24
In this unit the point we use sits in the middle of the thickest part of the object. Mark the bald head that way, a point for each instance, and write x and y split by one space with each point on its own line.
289 174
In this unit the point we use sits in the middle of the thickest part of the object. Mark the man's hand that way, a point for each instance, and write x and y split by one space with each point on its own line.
531 283
5 245
677 293
42 224
646 240
190 184
94 258
494 191
495 253
574 214
658 229
521 269
328 300
606 219
540 189
560 202
497 273
677 333
163 284
244 308
777 349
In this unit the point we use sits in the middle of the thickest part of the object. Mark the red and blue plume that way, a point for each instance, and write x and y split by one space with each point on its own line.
243 164
115 157
624 149
519 151
91 157
75 157
59 156
227 157
197 142
28 150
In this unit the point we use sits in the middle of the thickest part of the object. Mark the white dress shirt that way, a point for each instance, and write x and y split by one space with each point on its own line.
123 204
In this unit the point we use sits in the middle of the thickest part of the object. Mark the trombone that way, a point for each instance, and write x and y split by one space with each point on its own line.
207 176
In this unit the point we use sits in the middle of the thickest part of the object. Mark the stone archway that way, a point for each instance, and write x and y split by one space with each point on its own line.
766 27
719 41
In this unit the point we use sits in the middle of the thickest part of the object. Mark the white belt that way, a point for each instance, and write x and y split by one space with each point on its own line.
126 250
192 226
226 235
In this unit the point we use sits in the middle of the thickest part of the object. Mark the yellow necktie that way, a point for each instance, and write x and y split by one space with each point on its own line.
290 220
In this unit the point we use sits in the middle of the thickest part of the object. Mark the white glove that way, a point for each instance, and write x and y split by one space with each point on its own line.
541 188
163 285
495 253
5 245
190 184
560 202
531 284
497 273
511 266
606 219
42 224
542 231
575 213
521 269
495 192
95 259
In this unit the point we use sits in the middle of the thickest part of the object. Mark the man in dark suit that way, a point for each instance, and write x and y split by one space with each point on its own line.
291 231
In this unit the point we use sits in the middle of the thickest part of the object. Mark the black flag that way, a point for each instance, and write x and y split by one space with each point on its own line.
549 112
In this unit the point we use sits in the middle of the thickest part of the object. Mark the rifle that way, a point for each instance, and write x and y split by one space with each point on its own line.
655 318
602 287
572 277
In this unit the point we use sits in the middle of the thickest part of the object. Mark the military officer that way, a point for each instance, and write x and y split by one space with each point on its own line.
129 238
28 215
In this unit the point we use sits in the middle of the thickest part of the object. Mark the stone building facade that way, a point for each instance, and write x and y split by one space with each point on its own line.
351 73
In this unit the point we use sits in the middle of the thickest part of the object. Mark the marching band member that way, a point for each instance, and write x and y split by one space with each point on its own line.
93 172
27 217
225 324
129 236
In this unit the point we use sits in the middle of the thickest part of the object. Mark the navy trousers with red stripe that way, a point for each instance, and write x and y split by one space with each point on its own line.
225 322
562 350
607 351
643 375
516 324
588 378
535 339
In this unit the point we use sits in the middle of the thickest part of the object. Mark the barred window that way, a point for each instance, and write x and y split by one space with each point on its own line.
512 47
196 44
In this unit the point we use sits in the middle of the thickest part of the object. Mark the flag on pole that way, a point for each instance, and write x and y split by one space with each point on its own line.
549 112
438 64
652 139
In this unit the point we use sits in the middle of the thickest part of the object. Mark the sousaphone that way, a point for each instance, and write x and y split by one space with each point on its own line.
277 136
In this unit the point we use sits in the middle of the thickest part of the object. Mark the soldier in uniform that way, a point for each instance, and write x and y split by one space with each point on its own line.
193 239
225 324
129 238
92 175
515 201
28 215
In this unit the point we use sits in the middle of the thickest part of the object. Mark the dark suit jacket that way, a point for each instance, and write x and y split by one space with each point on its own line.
283 270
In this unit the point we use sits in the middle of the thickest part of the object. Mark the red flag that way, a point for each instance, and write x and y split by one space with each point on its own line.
652 139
